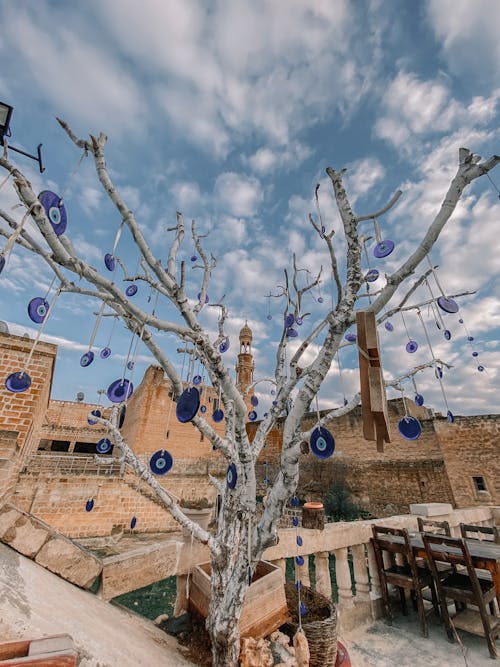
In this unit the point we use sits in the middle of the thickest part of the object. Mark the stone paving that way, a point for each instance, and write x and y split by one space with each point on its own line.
380 645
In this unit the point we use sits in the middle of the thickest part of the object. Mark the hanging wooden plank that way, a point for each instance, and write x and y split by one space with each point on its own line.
373 396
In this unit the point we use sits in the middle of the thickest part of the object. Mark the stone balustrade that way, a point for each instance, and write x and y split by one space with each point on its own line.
354 581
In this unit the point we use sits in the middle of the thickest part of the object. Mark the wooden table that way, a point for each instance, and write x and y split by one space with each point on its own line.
485 555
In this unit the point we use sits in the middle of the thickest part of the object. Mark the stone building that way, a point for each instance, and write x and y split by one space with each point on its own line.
47 451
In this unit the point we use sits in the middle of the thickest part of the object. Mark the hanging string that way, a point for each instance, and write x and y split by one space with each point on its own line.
438 374
317 410
433 306
434 273
96 325
14 236
72 175
5 180
491 181
376 228
50 287
112 329
404 325
42 327
340 378
404 402
128 357
117 237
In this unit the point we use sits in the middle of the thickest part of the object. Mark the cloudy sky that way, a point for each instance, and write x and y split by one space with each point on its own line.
230 112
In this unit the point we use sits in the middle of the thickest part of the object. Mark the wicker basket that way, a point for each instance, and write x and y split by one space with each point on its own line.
321 634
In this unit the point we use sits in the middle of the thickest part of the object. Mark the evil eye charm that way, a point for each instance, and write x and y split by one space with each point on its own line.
295 521
438 372
299 560
109 261
419 399
104 446
372 276
411 346
37 309
18 382
89 505
161 462
299 541
389 326
105 352
252 415
350 337
224 346
86 359
55 210
96 413
133 522
231 476
131 290
447 334
383 249
450 417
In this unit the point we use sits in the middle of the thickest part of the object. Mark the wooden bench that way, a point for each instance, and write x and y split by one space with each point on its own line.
53 651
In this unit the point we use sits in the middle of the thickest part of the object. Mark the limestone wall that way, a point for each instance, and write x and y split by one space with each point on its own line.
22 413
471 448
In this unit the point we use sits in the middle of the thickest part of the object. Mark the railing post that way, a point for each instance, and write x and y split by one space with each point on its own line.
376 591
323 580
343 575
302 572
360 572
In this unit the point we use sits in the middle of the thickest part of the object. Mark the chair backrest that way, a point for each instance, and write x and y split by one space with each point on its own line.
453 550
394 541
491 533
437 527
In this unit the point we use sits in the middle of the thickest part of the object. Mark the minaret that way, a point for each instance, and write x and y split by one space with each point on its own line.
245 365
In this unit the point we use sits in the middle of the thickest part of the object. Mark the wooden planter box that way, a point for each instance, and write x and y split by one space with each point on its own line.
264 608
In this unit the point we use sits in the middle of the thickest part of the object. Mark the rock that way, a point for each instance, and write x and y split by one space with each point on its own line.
280 638
283 653
161 619
8 517
24 534
69 561
255 653
301 649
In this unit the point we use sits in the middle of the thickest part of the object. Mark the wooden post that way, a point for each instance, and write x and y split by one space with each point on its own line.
313 516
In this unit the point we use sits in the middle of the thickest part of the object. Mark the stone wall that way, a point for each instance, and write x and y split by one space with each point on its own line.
22 413
471 448
60 500
67 421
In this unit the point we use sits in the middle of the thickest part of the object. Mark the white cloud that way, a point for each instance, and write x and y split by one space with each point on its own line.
186 195
468 35
83 80
362 176
414 109
237 194
265 160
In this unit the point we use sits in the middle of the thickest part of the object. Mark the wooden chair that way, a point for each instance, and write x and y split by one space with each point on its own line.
436 527
462 586
405 576
492 534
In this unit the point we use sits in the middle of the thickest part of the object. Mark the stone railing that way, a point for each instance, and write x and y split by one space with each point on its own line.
353 580
69 464
355 575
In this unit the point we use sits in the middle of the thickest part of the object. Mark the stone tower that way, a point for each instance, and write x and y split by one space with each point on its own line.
245 364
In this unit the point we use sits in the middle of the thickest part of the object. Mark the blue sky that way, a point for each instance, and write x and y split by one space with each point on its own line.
230 112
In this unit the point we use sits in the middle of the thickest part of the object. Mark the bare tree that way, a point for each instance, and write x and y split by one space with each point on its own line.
238 542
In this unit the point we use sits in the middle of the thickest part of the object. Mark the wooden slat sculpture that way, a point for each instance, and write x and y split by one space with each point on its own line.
373 397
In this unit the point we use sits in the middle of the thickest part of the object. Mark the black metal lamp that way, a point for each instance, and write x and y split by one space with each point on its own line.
5 116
